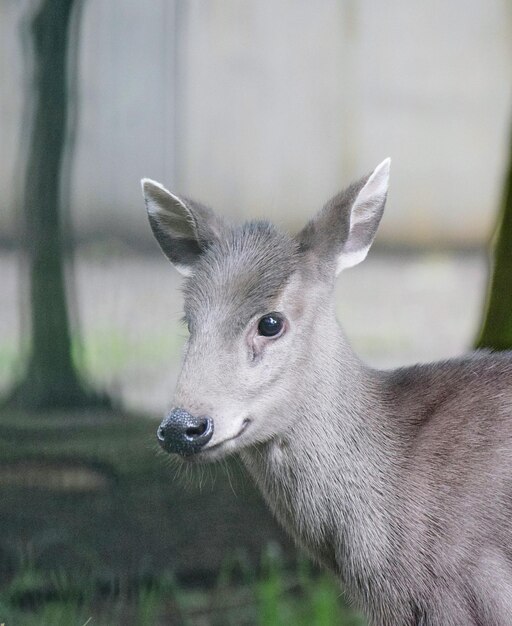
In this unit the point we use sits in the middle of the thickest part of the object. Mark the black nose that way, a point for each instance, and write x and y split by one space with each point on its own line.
183 433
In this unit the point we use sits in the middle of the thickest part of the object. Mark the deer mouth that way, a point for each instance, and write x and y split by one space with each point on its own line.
211 450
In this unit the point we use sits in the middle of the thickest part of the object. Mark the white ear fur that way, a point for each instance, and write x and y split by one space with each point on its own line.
365 215
155 194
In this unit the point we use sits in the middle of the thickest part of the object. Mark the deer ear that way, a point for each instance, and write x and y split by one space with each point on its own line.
343 231
183 228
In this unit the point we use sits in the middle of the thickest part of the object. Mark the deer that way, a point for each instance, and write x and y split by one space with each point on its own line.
397 481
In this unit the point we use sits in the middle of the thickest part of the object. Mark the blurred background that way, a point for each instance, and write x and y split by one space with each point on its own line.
260 109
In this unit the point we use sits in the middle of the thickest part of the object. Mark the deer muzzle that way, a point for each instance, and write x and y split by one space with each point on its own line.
183 433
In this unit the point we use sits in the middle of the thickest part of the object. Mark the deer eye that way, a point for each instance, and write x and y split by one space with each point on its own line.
270 325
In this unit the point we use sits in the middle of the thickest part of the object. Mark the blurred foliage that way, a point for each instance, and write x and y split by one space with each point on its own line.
270 595
106 351
496 331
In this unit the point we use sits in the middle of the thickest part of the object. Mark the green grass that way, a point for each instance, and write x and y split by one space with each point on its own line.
103 353
106 352
276 596
11 366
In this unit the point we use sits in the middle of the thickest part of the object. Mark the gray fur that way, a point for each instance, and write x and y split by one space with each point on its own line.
239 276
399 482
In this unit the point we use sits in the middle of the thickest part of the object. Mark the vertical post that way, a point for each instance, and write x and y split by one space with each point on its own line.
51 380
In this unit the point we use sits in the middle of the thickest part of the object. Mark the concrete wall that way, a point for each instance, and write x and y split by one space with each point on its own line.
12 105
267 108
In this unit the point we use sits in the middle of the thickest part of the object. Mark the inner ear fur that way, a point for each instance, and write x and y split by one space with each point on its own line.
340 235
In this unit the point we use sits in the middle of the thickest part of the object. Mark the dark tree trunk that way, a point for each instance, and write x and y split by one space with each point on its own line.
496 331
51 380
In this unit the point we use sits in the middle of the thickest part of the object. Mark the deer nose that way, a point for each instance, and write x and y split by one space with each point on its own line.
183 433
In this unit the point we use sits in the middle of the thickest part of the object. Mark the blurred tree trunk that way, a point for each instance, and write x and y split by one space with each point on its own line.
496 331
51 380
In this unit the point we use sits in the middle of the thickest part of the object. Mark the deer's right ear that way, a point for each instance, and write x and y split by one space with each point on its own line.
183 228
341 234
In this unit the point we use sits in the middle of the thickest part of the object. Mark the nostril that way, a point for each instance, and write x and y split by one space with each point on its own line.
201 429
196 431
160 433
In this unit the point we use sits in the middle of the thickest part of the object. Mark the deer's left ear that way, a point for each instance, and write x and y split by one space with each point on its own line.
343 231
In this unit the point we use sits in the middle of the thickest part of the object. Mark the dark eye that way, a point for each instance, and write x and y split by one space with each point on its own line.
270 325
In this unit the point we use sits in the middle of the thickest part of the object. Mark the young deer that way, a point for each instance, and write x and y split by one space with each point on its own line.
397 481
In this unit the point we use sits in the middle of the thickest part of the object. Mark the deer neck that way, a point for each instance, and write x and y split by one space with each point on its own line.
329 477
